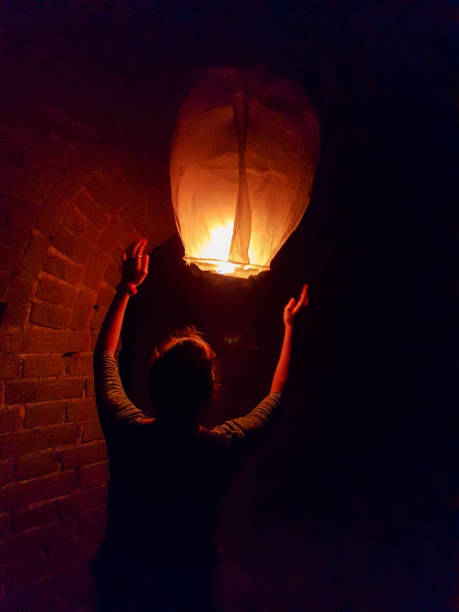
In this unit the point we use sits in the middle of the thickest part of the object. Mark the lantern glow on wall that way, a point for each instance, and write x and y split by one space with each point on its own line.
244 153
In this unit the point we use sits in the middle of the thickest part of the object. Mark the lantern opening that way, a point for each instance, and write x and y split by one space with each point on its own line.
226 268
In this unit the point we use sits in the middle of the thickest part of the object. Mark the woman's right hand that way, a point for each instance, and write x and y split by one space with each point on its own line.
135 263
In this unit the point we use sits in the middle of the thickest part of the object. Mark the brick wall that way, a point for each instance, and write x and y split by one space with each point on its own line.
67 210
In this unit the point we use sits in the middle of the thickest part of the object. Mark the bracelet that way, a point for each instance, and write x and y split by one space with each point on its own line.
131 288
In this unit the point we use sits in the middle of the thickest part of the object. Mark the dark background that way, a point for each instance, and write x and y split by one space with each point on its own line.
346 506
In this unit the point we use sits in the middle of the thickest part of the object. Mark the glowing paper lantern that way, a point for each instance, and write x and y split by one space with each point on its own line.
244 154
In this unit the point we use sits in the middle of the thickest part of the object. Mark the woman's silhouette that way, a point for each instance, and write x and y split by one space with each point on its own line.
168 474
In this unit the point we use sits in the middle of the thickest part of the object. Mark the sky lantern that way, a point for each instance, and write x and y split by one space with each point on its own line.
243 158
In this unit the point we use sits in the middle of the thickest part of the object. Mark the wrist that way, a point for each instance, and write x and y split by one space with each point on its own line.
126 288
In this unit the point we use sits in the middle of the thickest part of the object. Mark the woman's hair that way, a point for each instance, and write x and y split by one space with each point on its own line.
182 376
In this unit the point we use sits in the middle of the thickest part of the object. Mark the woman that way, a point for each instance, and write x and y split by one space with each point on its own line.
168 474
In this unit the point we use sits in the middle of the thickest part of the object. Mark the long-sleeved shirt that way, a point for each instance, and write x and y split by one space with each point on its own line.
165 486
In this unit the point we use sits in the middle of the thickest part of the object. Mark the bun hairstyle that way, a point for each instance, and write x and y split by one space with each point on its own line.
182 376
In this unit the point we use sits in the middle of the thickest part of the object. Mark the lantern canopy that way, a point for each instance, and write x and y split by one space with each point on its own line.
244 153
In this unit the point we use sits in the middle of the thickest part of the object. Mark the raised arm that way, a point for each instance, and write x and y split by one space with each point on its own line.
283 365
114 406
256 420
135 270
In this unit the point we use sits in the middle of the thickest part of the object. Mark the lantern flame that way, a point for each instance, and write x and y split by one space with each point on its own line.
217 248
226 268
218 244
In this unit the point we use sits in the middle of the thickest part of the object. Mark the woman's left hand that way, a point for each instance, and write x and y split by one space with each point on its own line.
293 306
135 263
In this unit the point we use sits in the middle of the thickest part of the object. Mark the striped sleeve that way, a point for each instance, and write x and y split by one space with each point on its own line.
254 422
114 406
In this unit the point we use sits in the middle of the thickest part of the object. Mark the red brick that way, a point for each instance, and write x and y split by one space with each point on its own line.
77 249
79 364
36 464
92 431
57 152
46 413
16 132
67 129
156 224
34 341
81 501
63 268
19 297
17 184
6 526
54 533
83 410
10 419
6 472
5 278
95 269
45 169
52 214
56 291
34 516
37 366
80 549
72 182
13 240
90 236
119 186
92 475
17 575
50 315
99 191
20 494
83 308
91 209
113 275
111 234
21 211
30 440
94 338
128 235
8 230
9 366
105 296
117 249
38 391
34 256
92 519
90 391
104 299
97 318
82 454
30 542
74 221
20 546
5 343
